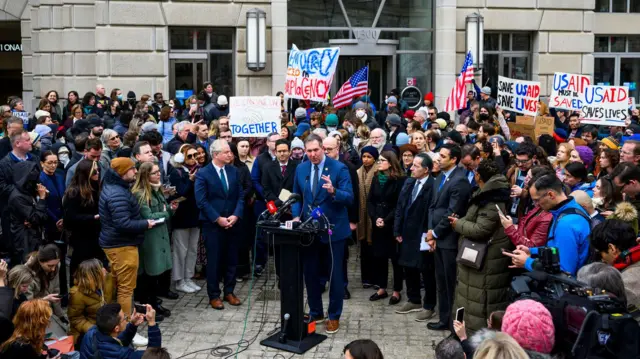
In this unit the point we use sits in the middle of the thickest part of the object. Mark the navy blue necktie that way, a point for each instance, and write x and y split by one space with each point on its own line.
444 178
314 182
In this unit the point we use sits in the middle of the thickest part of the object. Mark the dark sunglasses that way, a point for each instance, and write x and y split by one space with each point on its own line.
191 156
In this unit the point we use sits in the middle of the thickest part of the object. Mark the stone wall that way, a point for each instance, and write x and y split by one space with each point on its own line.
124 43
562 32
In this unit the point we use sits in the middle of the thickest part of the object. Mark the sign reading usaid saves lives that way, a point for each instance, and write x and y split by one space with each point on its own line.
567 91
310 73
518 95
604 105
254 116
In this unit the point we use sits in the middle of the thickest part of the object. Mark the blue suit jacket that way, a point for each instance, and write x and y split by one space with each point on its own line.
334 207
212 200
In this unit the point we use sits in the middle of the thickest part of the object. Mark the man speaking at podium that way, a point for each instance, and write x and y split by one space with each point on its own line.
324 182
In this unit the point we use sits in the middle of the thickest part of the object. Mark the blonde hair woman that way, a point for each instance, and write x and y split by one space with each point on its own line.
502 346
19 278
92 289
419 140
562 159
214 129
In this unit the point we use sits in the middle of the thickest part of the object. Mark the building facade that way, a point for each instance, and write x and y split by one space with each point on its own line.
165 46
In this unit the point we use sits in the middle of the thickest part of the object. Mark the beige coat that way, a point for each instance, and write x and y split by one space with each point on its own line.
364 225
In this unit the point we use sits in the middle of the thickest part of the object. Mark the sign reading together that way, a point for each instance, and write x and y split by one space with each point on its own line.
310 73
254 116
604 105
518 95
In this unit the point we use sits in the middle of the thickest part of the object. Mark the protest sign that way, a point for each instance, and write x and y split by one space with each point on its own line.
518 95
310 73
254 116
604 105
24 116
533 127
567 91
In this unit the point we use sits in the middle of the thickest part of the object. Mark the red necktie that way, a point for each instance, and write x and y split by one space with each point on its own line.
283 168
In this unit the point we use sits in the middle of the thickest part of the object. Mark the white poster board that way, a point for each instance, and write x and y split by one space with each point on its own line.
254 116
518 95
605 105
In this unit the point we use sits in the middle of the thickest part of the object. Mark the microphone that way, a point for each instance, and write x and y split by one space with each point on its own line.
313 216
271 207
283 333
293 198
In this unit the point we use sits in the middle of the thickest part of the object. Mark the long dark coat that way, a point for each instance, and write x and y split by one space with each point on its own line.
381 203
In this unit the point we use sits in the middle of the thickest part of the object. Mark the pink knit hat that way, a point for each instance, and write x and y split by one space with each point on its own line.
531 325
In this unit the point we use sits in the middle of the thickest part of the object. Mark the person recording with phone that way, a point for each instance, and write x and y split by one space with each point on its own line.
45 263
325 183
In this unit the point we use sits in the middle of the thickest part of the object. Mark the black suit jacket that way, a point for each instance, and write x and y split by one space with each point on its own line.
273 182
453 197
411 221
354 209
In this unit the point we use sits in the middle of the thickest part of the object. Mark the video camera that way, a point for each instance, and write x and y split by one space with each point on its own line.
590 323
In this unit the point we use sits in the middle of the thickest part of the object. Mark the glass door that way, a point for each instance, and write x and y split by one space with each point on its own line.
187 77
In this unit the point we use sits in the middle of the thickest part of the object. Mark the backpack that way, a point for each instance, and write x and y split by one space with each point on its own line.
566 212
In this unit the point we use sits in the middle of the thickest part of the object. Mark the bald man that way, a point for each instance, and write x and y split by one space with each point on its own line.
586 203
102 101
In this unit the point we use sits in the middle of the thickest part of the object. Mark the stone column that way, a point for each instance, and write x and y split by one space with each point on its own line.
445 52
279 48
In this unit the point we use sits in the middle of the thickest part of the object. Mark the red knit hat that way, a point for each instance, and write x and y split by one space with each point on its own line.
408 114
429 97
531 325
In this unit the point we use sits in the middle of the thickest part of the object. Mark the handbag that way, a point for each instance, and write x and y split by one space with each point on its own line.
472 254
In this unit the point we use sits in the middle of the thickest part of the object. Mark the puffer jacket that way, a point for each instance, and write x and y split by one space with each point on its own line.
83 307
122 224
483 291
117 348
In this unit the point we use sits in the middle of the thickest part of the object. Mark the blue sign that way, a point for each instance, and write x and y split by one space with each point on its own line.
183 94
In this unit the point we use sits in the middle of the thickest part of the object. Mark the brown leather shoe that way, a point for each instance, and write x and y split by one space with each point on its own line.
232 299
216 304
333 326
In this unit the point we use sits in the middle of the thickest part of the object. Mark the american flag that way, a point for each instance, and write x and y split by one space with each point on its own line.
357 85
458 97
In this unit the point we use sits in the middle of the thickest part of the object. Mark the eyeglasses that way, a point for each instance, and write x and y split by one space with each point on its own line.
190 156
536 200
432 113
521 162
155 173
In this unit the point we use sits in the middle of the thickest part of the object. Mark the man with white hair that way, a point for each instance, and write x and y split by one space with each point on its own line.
219 198
186 133
320 132
464 131
378 138
421 116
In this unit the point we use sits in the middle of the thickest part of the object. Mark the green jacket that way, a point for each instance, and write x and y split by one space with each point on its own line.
155 251
483 291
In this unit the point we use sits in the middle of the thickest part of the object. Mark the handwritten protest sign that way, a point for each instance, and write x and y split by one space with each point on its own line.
604 105
518 95
533 127
24 116
310 73
254 116
567 91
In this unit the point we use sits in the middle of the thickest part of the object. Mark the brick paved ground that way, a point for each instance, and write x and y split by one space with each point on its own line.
194 325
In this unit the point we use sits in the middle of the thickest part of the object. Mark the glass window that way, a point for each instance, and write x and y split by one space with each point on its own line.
417 41
221 74
201 39
418 66
506 44
307 39
181 39
602 6
604 70
618 43
361 12
221 39
635 6
491 42
406 13
634 43
630 74
521 42
315 13
602 44
619 5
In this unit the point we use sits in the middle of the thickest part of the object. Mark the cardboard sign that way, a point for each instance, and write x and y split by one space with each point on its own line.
605 105
533 127
518 95
254 116
310 73
567 91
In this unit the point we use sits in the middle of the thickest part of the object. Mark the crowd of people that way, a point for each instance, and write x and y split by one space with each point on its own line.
109 204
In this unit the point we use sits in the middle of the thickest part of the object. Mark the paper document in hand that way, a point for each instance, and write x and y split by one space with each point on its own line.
424 246
284 195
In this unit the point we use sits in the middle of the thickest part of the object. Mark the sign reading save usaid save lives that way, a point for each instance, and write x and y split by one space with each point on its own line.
518 95
254 116
310 73
604 105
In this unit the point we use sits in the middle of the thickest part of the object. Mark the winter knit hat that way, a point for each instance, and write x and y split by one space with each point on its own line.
560 135
611 142
300 113
370 150
530 324
41 113
297 143
486 90
408 114
121 165
402 139
586 155
429 97
331 120
42 130
360 105
392 99
34 136
456 137
302 128
394 120
442 123
131 95
148 127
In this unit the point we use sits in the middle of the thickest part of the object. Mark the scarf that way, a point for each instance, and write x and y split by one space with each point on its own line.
364 179
627 258
156 186
382 179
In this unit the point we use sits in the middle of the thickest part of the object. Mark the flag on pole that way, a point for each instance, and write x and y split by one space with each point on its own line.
357 85
458 97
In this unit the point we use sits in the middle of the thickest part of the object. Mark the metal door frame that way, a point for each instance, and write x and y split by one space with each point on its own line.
194 60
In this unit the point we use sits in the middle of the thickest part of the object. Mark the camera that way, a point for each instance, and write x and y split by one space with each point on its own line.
589 322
